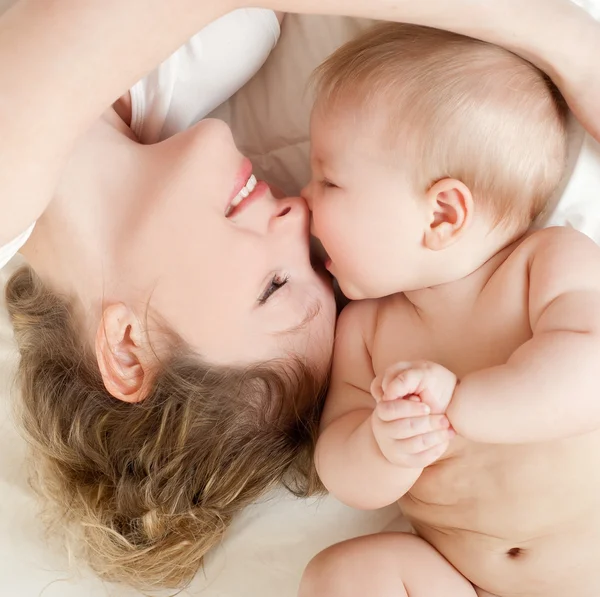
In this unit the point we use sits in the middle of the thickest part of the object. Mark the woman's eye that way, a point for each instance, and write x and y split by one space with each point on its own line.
278 281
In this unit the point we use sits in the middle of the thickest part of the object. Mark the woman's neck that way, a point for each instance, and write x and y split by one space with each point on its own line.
75 244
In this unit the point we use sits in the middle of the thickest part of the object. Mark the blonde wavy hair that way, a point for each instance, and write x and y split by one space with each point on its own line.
150 488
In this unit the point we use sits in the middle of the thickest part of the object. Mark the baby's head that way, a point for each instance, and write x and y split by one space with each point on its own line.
430 152
146 489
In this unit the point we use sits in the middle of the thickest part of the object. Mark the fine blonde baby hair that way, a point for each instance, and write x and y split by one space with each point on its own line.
148 489
455 107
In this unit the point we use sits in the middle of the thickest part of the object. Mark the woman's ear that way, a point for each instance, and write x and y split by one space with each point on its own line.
123 354
452 209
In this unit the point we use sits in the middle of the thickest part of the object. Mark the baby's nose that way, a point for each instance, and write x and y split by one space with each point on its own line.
307 195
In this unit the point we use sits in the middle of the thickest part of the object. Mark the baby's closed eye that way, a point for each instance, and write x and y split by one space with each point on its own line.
327 184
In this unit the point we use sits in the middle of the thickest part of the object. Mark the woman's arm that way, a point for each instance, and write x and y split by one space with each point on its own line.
556 35
62 63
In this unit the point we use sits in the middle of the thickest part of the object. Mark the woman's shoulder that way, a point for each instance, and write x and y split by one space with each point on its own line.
203 73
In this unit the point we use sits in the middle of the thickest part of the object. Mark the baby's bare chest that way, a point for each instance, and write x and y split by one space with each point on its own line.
462 337
481 504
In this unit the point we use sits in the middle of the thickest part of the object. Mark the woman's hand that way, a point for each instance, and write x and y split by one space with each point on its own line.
578 77
564 41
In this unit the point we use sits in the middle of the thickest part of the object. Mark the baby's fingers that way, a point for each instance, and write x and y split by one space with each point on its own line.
415 426
403 384
401 409
426 458
424 442
380 383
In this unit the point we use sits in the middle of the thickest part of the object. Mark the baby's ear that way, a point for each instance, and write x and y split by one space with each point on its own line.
124 356
451 209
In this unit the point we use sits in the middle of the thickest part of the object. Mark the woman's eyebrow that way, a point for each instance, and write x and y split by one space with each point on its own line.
313 310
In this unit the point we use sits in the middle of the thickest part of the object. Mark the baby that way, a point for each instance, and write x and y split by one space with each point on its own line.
469 392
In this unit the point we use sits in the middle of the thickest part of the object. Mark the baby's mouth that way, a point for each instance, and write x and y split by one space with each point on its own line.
318 255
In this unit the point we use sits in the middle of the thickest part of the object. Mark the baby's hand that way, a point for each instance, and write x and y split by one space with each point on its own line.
429 382
407 433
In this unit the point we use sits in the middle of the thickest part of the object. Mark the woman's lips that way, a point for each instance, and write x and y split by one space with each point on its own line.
241 179
259 191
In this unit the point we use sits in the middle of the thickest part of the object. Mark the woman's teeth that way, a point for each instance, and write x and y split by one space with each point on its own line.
245 192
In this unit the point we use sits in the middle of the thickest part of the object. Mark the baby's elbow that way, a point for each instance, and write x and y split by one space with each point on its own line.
353 494
368 503
348 491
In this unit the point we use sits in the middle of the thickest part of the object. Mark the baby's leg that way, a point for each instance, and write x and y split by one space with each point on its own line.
385 565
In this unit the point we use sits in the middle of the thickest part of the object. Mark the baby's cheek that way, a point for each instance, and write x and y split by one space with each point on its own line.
353 271
337 233
323 229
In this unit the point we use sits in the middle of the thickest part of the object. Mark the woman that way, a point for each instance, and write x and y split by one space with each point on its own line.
169 372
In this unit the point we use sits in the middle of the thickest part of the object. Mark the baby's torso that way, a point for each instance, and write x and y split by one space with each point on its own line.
516 520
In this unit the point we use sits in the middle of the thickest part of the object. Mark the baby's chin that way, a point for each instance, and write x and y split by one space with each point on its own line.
341 300
359 291
348 290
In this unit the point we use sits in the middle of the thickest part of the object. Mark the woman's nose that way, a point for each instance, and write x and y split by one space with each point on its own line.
291 213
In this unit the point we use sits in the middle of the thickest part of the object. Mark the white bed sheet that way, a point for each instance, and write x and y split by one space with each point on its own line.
267 547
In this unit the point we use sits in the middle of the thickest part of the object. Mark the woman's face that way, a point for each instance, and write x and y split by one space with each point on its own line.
236 284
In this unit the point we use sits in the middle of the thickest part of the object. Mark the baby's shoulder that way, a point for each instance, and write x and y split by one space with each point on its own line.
358 318
551 247
560 252
359 322
554 237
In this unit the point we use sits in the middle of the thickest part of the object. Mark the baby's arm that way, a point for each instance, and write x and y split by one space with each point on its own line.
350 452
549 387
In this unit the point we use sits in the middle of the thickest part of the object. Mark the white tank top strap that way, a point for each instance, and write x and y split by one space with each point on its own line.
9 250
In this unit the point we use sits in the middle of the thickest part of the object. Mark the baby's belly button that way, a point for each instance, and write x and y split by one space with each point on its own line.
503 573
501 567
487 550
